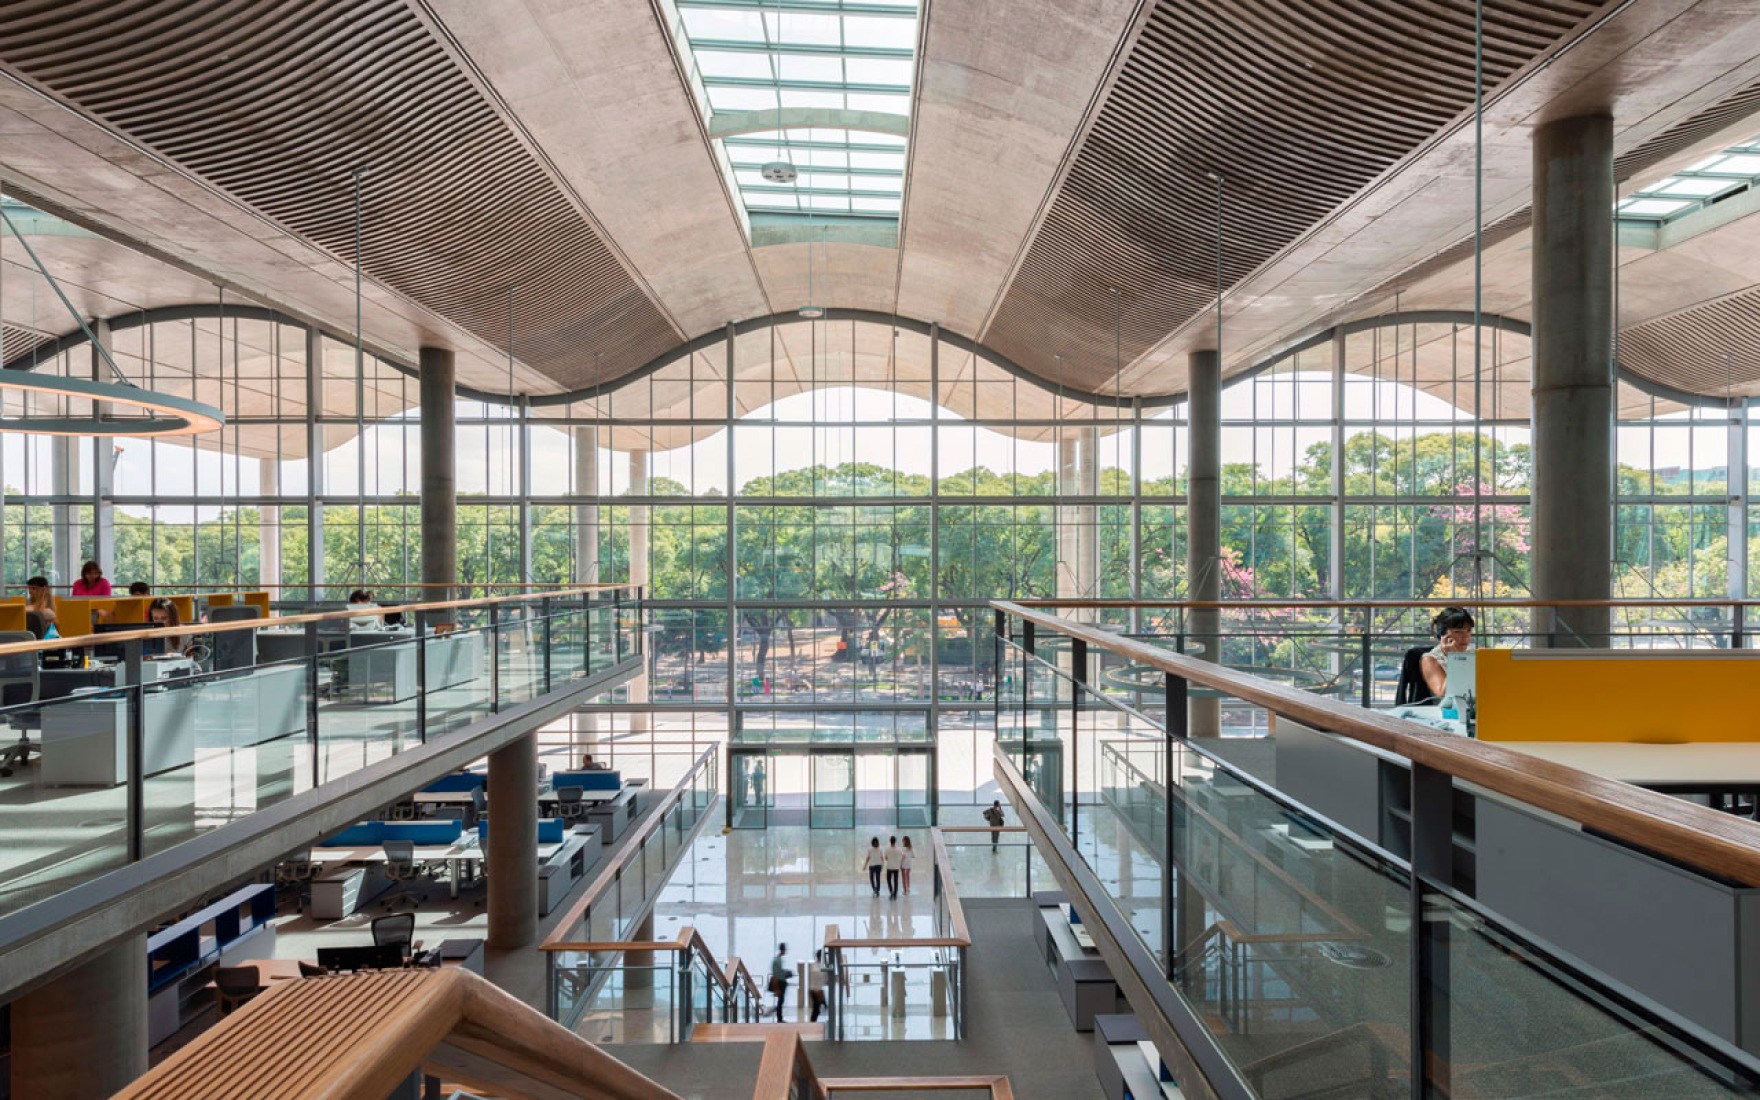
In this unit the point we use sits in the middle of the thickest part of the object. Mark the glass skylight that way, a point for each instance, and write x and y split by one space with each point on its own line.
850 55
1734 169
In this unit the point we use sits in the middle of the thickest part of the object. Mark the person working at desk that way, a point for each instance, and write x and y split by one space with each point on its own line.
91 581
1454 632
361 600
140 588
38 598
162 613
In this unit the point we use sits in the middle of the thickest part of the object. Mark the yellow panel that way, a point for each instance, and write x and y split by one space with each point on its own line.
186 608
73 616
1641 696
219 599
258 600
12 615
130 609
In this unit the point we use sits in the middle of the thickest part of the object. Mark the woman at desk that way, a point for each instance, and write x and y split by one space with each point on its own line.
162 613
1454 633
92 581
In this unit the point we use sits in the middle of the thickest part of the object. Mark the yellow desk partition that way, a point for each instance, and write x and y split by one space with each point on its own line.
12 615
1668 696
186 608
73 615
259 600
130 609
219 599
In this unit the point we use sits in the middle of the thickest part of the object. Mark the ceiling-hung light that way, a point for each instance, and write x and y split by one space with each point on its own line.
162 414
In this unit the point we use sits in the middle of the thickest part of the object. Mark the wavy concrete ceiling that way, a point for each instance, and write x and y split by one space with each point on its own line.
1059 153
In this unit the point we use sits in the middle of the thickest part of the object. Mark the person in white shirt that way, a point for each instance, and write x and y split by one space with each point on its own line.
904 864
361 600
894 859
873 859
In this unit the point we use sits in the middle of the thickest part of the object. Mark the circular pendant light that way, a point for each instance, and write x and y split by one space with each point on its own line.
163 414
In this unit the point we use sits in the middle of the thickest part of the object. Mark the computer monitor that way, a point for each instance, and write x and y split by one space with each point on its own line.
1461 674
387 956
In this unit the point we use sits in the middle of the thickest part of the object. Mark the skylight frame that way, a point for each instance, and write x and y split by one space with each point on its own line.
748 55
1667 199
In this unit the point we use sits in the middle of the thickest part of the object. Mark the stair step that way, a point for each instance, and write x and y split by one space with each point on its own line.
753 1033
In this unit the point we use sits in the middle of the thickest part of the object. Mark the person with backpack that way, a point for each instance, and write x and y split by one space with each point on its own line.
993 817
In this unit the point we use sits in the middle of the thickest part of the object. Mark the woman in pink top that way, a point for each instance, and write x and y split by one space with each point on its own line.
91 581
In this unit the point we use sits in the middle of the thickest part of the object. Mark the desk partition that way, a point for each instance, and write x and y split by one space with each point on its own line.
136 757
1646 696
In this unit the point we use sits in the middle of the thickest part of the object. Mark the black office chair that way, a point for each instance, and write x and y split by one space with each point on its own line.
312 970
570 804
34 624
479 807
401 867
295 874
20 686
1411 689
396 930
234 985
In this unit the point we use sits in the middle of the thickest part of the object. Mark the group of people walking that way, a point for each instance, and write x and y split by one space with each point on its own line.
893 860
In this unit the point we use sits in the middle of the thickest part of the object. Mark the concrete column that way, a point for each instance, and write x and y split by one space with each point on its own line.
513 844
315 572
103 459
269 525
640 486
439 474
633 978
586 513
64 463
1204 519
1078 538
1573 411
85 1033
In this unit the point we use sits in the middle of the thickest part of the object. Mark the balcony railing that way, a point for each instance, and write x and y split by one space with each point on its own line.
1283 953
122 744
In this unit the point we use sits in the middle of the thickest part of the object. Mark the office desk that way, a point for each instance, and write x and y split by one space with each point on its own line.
461 854
1699 767
383 662
1431 716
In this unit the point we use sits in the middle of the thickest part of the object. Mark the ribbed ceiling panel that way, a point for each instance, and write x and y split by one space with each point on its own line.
1712 349
1299 103
279 104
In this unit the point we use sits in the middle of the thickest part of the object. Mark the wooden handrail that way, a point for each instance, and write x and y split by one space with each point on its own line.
148 634
558 939
785 1063
359 1036
1719 843
1375 605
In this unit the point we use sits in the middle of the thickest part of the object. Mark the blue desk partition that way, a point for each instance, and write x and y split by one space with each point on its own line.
588 781
550 830
370 833
456 783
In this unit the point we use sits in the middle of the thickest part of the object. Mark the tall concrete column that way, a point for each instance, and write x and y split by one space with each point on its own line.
586 513
269 526
641 486
1573 411
65 455
103 458
1078 536
85 1033
1204 519
637 972
439 473
513 844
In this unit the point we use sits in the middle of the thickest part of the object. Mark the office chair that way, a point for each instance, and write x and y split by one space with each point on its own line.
312 970
234 985
569 804
402 811
237 649
19 687
34 625
295 874
401 867
479 808
396 930
1411 689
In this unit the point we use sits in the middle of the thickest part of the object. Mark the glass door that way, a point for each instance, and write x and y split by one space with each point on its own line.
914 788
750 794
834 789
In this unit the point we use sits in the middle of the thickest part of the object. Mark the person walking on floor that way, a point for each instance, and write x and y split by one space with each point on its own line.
993 816
904 864
873 859
892 862
816 977
779 976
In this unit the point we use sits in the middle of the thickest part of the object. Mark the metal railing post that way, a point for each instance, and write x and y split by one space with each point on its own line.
134 654
494 658
1368 673
1078 660
422 625
1432 859
544 618
314 672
